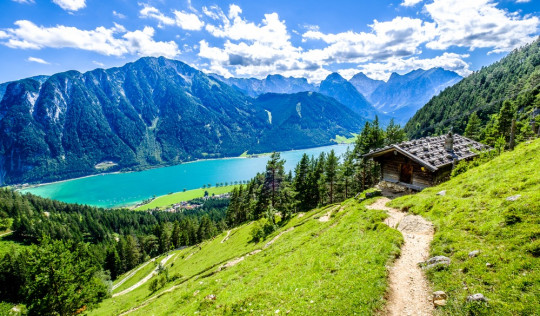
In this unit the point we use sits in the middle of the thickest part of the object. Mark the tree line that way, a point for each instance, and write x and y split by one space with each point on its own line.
316 181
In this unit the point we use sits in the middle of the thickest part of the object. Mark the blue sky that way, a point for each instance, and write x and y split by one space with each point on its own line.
254 38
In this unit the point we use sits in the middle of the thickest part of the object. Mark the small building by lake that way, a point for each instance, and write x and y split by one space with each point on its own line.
417 164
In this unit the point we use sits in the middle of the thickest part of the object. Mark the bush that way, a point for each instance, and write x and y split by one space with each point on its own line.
261 229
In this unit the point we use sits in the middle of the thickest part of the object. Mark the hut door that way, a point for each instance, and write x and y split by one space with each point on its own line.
406 173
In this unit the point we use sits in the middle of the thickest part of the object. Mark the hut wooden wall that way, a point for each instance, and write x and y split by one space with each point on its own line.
390 165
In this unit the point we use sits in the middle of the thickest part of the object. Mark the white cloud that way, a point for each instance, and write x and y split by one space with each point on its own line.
151 12
410 3
188 21
523 1
70 5
184 20
102 40
24 1
97 63
399 37
118 15
479 24
37 60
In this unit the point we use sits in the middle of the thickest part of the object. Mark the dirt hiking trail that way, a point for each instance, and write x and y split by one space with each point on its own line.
409 292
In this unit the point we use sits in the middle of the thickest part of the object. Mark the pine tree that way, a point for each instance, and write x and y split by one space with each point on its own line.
473 127
394 134
346 171
274 175
300 182
330 173
506 114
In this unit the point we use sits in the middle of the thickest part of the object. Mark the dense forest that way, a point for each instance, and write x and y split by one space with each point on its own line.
78 249
479 99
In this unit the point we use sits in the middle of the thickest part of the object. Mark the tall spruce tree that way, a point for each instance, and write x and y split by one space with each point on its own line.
330 173
473 128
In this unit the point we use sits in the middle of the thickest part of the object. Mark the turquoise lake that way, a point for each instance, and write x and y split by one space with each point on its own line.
121 189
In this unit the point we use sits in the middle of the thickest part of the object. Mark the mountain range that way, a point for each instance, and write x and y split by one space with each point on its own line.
154 111
399 97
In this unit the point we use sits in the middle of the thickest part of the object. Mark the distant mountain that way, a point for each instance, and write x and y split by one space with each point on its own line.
337 87
295 117
515 77
364 84
154 111
402 95
271 84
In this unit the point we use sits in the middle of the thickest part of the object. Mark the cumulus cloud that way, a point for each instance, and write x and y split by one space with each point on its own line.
252 49
399 37
115 41
410 3
188 21
37 60
182 19
70 5
479 24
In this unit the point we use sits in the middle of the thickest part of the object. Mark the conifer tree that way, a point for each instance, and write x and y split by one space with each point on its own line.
473 127
330 173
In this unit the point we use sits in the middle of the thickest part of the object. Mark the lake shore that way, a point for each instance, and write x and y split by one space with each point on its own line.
20 187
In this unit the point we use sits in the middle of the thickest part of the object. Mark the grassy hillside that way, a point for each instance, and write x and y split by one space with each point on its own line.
329 260
476 215
169 199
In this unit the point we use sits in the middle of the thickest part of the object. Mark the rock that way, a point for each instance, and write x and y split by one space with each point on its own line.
437 303
210 297
478 297
442 193
513 197
474 253
437 261
196 292
439 295
488 265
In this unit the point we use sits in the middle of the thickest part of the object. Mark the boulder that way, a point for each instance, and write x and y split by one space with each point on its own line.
439 295
437 261
437 303
513 197
478 297
442 193
210 297
474 253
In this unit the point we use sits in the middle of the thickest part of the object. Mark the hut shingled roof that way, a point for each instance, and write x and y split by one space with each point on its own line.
431 152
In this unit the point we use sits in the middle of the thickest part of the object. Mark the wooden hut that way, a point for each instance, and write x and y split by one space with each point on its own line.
424 162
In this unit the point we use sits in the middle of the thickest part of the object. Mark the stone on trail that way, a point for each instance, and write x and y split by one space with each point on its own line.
437 261
474 253
513 197
439 298
442 193
478 297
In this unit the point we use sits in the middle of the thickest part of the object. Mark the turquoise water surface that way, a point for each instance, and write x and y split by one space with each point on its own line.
118 189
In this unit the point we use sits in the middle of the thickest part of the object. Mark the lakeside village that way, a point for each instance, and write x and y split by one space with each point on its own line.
187 205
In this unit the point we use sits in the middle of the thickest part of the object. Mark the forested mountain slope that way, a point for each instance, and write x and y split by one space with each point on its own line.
154 111
295 117
515 77
493 209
